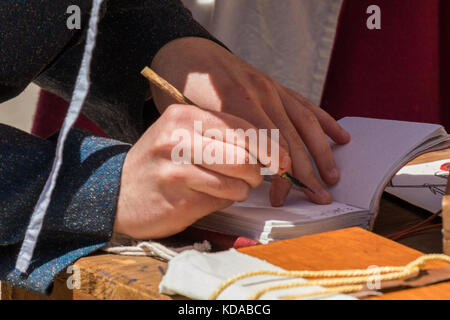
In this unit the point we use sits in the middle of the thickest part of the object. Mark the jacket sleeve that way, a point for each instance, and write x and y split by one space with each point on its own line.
35 39
33 34
130 33
81 214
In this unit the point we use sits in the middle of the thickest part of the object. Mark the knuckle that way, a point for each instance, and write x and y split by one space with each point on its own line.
242 191
310 118
173 175
237 190
228 185
283 143
222 204
308 175
259 179
163 146
303 100
178 112
242 92
324 149
215 184
261 81
251 174
173 111
215 204
255 179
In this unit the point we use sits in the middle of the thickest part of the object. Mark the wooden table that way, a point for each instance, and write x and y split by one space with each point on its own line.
106 276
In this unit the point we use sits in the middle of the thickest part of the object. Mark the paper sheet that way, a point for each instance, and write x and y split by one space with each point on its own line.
296 208
422 185
376 147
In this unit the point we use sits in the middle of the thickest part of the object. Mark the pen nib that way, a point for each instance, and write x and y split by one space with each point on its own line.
287 176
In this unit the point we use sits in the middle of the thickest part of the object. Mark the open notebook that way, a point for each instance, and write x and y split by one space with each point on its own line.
379 148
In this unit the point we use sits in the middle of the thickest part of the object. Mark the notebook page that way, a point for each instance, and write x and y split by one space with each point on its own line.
297 208
376 146
422 185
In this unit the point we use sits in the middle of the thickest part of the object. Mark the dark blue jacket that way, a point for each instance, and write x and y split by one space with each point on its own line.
36 46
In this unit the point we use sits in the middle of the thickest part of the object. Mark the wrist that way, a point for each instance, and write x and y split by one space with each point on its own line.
192 65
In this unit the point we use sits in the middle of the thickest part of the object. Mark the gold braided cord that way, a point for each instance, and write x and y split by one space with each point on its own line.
305 274
348 278
342 289
335 282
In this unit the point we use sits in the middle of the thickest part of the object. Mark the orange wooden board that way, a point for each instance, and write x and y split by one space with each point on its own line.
347 249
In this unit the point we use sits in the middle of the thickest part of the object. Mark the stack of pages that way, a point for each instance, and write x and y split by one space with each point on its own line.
378 149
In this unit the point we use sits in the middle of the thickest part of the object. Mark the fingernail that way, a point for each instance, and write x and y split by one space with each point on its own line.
324 196
285 163
345 132
275 198
333 174
278 203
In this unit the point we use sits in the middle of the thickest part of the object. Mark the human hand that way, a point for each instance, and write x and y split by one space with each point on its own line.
215 79
159 197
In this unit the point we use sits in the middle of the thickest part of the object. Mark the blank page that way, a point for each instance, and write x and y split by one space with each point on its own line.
376 147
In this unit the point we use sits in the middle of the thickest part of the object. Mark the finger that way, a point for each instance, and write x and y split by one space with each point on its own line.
243 134
328 123
202 204
303 171
279 190
230 160
280 187
314 137
268 149
216 185
195 205
259 118
301 164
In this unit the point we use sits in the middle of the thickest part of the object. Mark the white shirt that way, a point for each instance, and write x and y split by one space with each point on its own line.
291 40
